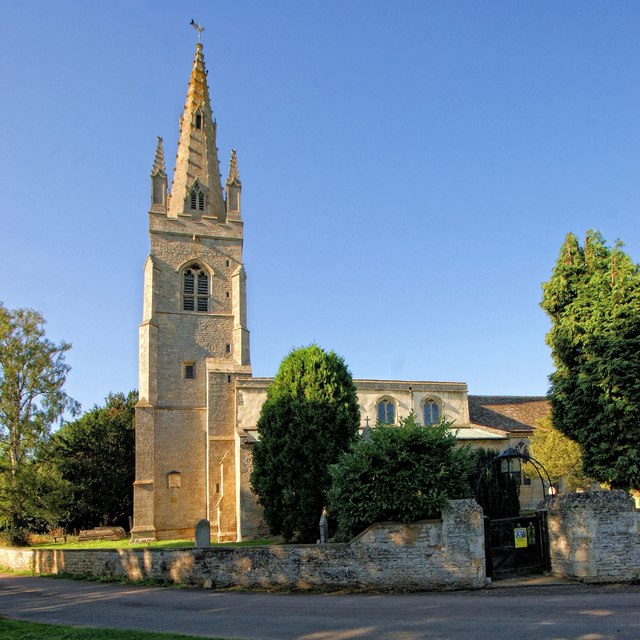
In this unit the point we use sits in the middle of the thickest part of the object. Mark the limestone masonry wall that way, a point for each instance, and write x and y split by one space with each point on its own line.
434 554
594 536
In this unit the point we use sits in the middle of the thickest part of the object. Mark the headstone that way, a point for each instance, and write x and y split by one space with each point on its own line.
203 533
324 526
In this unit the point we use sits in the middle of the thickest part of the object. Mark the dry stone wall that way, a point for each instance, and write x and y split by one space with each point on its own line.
594 536
434 554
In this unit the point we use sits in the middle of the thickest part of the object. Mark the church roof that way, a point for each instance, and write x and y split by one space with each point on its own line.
508 413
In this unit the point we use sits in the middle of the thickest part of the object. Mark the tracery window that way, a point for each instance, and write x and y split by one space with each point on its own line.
386 411
430 411
197 198
195 289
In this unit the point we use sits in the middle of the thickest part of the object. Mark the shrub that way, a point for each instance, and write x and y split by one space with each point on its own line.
400 473
14 537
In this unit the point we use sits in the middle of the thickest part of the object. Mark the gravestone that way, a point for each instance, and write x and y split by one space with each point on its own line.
203 533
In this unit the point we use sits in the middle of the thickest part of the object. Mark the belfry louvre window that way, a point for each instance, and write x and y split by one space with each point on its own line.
195 289
197 199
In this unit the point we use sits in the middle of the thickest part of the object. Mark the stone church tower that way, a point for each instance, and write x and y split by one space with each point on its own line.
194 342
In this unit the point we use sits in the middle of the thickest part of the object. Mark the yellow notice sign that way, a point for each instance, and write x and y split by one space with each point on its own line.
520 537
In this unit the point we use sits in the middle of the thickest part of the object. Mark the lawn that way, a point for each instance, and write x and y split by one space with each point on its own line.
161 544
17 630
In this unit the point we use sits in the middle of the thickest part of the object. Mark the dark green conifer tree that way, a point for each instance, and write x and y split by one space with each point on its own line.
310 416
593 300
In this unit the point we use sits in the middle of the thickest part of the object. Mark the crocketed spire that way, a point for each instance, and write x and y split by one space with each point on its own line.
197 166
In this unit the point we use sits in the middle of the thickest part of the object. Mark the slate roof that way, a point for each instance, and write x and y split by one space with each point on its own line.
508 413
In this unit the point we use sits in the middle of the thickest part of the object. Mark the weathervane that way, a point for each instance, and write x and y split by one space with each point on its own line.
197 27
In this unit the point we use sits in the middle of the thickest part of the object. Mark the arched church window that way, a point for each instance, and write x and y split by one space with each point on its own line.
195 289
430 411
198 121
197 198
386 411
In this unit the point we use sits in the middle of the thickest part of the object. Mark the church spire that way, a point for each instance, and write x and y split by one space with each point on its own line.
196 189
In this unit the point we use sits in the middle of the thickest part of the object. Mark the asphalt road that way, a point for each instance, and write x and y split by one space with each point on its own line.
561 612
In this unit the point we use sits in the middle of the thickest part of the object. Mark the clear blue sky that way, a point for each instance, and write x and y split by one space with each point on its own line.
409 171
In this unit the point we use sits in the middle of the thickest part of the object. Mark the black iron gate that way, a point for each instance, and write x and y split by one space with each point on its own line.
516 546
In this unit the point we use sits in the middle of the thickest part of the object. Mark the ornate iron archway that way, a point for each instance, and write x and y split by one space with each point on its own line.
518 544
507 457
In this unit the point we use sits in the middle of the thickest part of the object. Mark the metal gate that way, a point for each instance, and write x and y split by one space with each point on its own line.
516 546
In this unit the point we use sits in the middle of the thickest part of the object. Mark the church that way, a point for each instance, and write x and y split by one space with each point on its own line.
199 403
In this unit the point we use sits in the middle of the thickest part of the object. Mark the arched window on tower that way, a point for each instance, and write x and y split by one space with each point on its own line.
195 289
197 198
430 411
199 121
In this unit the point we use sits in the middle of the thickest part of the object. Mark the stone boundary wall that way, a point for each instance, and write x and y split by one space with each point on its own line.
433 554
594 536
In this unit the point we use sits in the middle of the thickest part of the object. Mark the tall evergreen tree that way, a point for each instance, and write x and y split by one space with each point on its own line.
310 416
593 300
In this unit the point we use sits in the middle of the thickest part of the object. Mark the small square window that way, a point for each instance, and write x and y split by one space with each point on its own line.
190 371
228 264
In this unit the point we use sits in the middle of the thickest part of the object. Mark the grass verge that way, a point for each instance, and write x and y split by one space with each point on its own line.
18 630
160 544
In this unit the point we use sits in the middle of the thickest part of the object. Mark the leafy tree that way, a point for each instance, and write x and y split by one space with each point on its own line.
32 376
310 416
95 458
593 300
402 473
559 455
496 492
